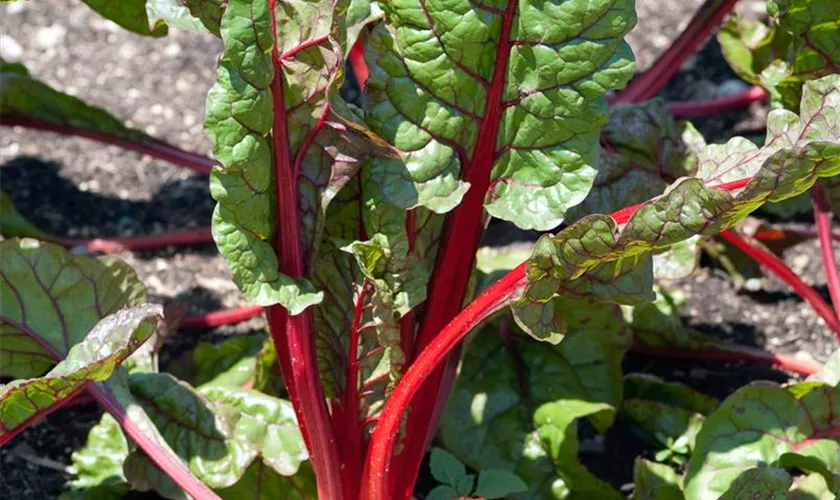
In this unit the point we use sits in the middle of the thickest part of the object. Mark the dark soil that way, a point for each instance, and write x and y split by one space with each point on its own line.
71 186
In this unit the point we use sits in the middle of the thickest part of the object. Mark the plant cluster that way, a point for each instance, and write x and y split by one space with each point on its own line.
355 226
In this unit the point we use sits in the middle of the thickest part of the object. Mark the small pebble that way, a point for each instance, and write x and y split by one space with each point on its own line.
10 49
47 38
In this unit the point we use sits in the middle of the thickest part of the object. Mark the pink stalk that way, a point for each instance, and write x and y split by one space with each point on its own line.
705 20
733 353
223 317
162 456
778 267
151 147
692 109
144 242
823 219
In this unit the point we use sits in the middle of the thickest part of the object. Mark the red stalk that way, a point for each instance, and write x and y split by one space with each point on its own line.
223 317
151 147
357 62
353 451
779 234
692 109
701 25
450 279
293 335
379 470
733 353
163 457
143 242
823 220
778 267
378 466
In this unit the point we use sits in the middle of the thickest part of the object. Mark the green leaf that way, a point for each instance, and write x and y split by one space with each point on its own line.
596 257
179 13
22 96
200 436
131 15
98 466
263 422
13 224
758 425
669 414
653 481
261 482
443 493
558 434
809 463
518 113
497 483
94 358
489 422
50 300
231 363
445 468
209 12
830 373
323 146
799 47
761 482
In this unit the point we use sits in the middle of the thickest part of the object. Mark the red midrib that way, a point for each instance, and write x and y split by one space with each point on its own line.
292 335
449 282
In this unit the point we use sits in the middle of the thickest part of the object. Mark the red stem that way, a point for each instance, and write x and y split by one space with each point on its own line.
778 267
163 457
196 236
733 353
450 279
778 234
378 466
692 109
701 25
353 453
223 317
293 335
151 147
822 214
357 62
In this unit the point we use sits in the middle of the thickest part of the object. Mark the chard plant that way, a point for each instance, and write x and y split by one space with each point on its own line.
356 228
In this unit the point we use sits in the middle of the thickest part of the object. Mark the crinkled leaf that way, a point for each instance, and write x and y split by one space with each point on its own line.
131 15
810 487
445 468
23 96
506 92
800 46
261 482
209 12
761 482
668 414
94 358
643 148
98 466
266 423
596 257
497 483
305 132
653 481
488 422
13 224
758 425
50 300
199 435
